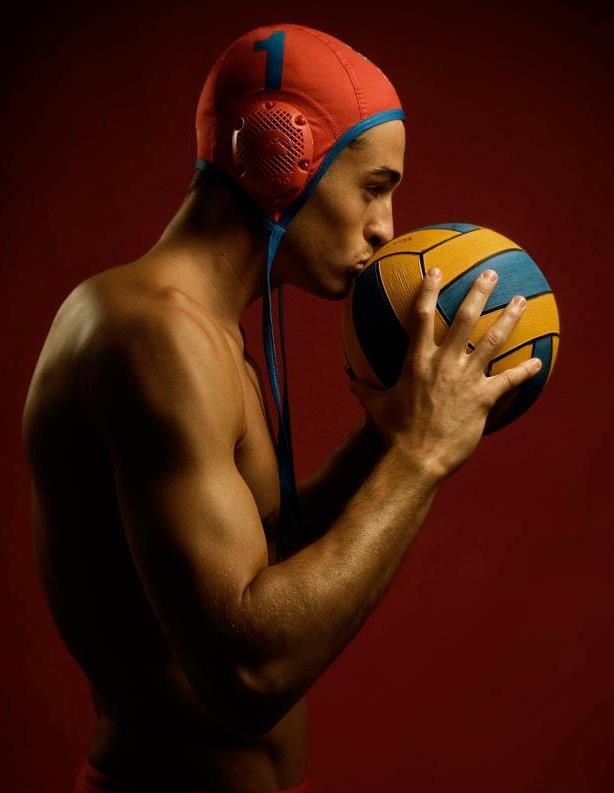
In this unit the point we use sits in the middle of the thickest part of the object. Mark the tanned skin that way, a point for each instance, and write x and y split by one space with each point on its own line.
155 490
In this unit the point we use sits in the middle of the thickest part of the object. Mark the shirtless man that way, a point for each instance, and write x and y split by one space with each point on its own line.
155 485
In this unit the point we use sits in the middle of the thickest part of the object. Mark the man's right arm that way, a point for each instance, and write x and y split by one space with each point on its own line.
252 638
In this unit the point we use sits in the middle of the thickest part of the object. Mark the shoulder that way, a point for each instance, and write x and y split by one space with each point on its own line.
160 356
133 322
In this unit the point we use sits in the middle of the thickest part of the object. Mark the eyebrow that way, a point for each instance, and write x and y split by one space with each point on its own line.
394 177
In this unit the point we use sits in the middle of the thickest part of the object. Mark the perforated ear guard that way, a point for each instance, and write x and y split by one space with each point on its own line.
272 151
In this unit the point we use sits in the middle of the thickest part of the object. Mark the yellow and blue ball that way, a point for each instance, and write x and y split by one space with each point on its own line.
377 311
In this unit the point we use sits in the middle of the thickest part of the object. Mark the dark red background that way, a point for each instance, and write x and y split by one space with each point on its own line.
488 666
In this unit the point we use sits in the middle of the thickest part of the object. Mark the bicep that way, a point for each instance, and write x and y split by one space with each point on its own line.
197 540
168 406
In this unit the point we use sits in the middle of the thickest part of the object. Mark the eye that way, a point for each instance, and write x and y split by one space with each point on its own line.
375 190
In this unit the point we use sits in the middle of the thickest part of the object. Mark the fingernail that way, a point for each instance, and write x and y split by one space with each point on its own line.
434 273
490 275
536 363
519 301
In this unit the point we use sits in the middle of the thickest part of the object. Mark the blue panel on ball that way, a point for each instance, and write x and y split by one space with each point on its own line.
381 336
452 226
518 275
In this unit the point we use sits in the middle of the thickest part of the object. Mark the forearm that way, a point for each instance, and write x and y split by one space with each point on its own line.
300 613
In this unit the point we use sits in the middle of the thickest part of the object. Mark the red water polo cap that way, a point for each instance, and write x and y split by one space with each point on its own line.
280 99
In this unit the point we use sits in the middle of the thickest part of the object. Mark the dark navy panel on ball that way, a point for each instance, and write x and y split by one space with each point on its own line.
381 336
463 227
518 275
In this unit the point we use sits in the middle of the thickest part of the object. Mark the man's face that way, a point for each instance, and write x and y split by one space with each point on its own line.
348 217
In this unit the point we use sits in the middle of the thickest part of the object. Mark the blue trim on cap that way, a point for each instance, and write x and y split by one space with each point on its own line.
269 340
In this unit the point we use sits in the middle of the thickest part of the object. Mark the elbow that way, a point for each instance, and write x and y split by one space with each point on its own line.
266 700
261 682
246 704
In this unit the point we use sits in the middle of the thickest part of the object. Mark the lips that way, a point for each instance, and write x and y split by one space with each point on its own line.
358 267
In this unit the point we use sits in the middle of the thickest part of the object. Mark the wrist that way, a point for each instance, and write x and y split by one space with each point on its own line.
425 465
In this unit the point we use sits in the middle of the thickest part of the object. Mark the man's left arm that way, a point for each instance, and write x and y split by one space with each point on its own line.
323 495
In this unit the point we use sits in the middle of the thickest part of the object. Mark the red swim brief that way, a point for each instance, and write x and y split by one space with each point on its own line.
91 780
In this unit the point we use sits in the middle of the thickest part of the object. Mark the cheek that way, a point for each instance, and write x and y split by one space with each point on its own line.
341 221
327 229
341 208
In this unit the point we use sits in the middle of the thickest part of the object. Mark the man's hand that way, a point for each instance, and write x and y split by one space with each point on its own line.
438 407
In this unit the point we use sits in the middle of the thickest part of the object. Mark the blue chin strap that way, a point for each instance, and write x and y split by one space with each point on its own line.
289 504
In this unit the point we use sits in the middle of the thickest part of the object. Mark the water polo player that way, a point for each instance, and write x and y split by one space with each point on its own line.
197 585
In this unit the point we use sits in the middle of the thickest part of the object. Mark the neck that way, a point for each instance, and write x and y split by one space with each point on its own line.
214 249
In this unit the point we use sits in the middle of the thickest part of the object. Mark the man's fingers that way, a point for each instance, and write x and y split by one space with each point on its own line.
498 333
422 319
470 311
501 383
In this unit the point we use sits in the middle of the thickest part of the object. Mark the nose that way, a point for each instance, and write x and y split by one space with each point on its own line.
380 227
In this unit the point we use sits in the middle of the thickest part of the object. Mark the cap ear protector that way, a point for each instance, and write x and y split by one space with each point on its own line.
272 151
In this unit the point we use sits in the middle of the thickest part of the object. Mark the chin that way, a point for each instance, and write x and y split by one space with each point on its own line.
333 288
338 289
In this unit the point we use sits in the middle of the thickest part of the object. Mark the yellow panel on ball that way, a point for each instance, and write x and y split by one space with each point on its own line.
465 250
416 242
400 277
401 281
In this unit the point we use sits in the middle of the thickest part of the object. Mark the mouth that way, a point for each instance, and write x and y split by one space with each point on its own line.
358 267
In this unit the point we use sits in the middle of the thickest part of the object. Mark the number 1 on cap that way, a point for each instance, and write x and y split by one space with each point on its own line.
274 48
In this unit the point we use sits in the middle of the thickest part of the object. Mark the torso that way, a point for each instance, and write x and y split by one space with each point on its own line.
149 716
